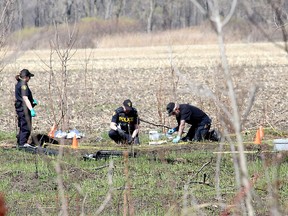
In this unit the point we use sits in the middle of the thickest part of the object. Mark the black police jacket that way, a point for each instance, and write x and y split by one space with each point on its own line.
126 121
192 115
22 89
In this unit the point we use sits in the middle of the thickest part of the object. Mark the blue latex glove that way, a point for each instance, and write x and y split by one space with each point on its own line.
35 102
33 113
177 139
171 131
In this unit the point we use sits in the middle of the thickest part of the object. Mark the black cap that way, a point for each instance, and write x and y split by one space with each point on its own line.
127 104
25 73
170 108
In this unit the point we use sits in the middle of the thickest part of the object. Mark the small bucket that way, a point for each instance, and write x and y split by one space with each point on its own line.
280 144
154 135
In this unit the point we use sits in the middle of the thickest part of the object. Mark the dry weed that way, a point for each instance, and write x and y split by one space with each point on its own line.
137 73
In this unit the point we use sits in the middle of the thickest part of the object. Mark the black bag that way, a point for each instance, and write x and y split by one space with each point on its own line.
213 135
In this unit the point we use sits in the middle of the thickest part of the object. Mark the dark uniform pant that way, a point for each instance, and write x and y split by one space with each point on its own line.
24 124
198 132
114 135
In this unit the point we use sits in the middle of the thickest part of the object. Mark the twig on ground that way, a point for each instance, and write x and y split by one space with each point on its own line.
203 183
101 167
203 166
157 125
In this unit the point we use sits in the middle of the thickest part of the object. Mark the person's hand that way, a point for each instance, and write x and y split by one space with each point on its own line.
171 131
121 132
130 140
33 113
35 102
177 139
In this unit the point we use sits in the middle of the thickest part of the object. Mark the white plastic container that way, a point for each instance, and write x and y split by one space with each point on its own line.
154 135
280 144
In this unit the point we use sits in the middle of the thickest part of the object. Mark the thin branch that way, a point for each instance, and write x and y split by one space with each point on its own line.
250 104
151 123
201 9
109 194
83 205
230 14
61 191
203 166
235 109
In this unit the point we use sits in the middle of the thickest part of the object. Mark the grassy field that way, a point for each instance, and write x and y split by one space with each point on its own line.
162 180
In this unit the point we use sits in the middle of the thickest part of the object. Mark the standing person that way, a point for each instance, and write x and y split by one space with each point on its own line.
24 104
185 113
125 124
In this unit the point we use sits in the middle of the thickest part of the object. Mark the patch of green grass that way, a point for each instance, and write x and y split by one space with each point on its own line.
6 135
157 182
26 32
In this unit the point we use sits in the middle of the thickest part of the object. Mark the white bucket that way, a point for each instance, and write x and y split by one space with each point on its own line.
154 135
280 144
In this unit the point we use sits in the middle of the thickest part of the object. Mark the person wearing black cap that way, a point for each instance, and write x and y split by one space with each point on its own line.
125 124
186 113
24 106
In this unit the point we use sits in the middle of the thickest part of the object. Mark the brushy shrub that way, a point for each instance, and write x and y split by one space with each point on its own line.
89 31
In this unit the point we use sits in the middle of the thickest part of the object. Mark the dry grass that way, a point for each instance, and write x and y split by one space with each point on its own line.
140 73
197 35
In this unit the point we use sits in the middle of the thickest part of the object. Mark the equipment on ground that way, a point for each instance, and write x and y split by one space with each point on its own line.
41 139
213 135
38 150
171 131
107 154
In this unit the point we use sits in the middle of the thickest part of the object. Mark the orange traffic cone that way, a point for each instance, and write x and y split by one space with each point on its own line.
258 137
261 132
52 131
74 142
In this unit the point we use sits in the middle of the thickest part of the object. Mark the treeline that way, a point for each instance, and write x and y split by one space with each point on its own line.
150 15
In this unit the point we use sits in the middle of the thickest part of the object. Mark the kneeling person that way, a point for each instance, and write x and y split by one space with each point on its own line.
186 113
125 124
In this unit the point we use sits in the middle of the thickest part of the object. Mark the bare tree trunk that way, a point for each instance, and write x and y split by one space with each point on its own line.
167 19
91 8
7 17
150 17
108 9
118 12
215 17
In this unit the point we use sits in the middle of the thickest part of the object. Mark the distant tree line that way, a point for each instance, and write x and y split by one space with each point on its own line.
153 15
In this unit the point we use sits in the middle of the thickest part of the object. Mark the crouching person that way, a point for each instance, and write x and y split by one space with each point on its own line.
186 113
125 124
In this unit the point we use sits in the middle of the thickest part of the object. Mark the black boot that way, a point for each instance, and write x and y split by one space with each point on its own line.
186 139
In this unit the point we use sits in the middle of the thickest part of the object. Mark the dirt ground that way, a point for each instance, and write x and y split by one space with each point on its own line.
99 80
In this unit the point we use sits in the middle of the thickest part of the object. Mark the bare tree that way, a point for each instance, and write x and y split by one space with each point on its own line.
213 13
108 9
7 16
63 48
167 15
150 17
119 11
